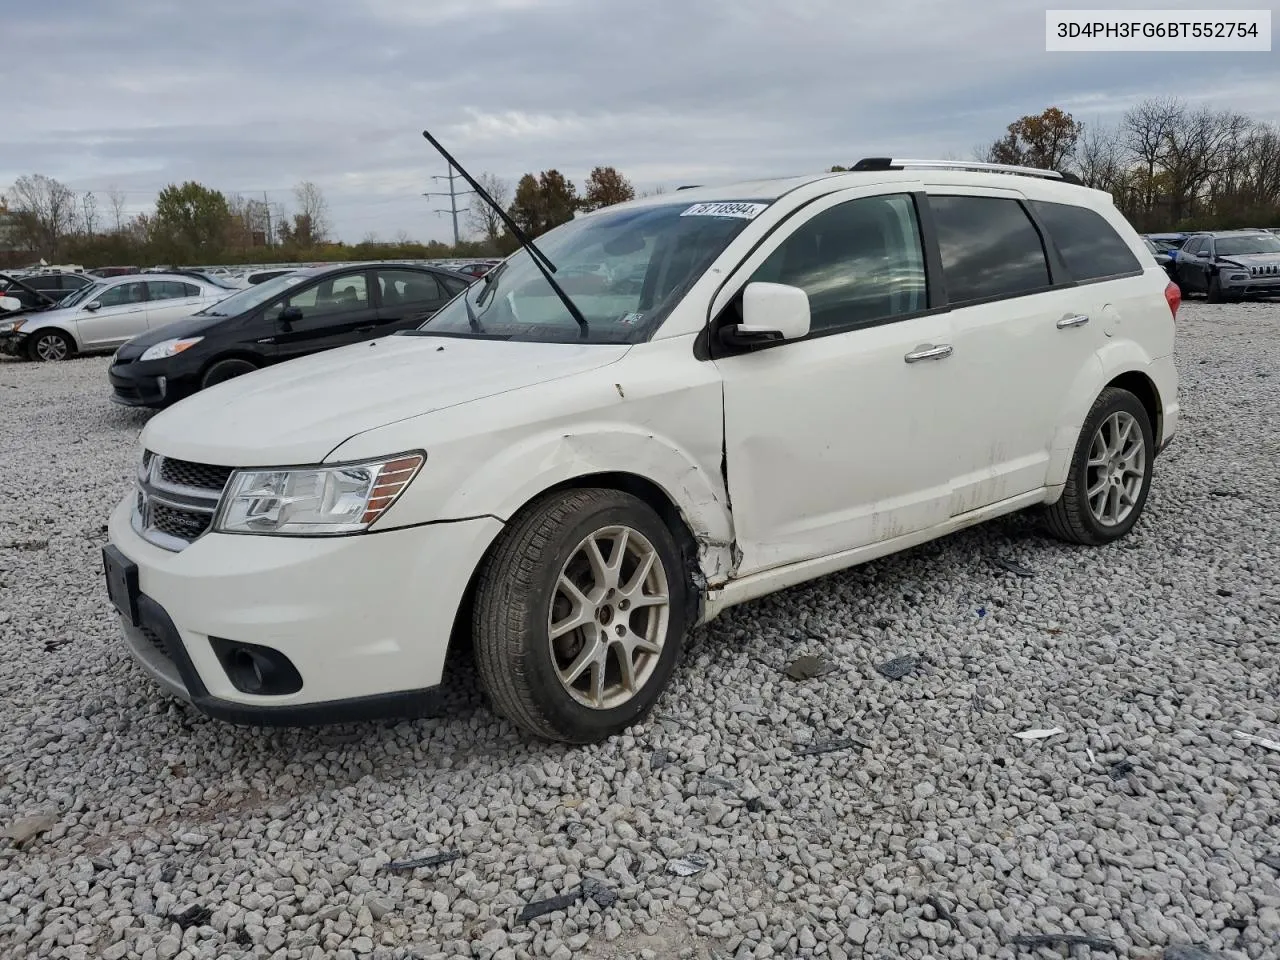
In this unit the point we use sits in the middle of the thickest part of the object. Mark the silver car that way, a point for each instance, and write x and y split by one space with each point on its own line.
105 314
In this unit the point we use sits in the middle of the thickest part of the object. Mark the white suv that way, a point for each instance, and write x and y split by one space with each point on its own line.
812 373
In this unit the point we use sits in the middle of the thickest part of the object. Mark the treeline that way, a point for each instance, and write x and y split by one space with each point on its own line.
1169 166
195 224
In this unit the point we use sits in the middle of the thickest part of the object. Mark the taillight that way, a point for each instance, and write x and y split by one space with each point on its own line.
1173 295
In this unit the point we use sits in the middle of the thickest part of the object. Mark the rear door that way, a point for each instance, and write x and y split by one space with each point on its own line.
407 297
1024 335
1193 265
121 313
171 300
336 310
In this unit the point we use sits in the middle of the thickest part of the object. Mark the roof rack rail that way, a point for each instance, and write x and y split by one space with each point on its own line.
886 163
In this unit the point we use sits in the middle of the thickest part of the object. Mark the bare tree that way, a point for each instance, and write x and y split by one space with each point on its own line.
481 217
1100 157
45 211
89 213
1144 130
1196 150
115 197
402 238
313 212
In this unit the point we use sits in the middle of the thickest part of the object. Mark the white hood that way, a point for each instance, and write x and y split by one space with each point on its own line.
299 411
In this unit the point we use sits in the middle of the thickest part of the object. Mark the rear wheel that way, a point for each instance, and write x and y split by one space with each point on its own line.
579 615
49 345
1110 474
225 370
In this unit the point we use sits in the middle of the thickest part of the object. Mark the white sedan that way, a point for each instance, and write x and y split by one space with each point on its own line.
105 314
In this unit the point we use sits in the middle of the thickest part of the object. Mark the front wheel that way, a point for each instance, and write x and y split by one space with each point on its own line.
579 615
50 345
1110 473
1214 293
224 370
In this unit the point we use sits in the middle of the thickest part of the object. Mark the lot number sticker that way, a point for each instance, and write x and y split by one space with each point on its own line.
746 211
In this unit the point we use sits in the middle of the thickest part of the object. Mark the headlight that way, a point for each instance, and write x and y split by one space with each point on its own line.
313 501
13 326
168 348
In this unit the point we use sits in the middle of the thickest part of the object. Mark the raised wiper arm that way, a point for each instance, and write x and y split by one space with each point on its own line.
545 266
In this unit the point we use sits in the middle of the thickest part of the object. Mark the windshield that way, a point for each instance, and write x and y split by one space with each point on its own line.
83 295
624 270
251 297
1243 246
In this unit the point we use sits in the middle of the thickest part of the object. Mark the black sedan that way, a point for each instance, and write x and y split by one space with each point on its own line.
303 312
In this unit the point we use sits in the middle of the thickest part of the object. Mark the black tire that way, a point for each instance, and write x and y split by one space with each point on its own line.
1214 293
1071 518
510 617
45 346
225 370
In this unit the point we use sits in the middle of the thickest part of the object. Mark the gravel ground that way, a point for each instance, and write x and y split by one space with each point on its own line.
159 833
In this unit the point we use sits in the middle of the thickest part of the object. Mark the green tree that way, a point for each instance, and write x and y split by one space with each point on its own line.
193 218
605 187
543 202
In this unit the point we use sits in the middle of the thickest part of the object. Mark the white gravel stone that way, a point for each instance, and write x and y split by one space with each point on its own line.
1151 651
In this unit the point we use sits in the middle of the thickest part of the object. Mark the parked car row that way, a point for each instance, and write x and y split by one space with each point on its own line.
293 315
811 373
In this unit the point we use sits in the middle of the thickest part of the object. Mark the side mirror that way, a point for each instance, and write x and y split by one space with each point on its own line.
290 315
771 312
10 303
93 305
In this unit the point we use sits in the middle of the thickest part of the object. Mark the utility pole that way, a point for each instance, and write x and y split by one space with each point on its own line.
453 196
266 205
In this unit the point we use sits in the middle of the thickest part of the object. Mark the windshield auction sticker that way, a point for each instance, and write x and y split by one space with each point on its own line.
746 211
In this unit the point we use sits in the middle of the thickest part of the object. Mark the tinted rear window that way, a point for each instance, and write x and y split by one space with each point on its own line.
990 248
1090 247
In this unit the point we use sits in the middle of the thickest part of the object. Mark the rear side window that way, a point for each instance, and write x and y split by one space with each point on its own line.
990 248
1090 247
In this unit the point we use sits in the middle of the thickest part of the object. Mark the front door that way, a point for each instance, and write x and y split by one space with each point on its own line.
335 311
121 313
845 438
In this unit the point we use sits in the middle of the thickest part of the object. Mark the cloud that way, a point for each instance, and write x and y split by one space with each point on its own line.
252 97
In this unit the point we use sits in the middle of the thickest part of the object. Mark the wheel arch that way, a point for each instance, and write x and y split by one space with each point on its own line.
234 353
643 489
52 328
1144 388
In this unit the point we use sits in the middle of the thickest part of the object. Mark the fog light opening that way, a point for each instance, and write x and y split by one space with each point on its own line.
256 669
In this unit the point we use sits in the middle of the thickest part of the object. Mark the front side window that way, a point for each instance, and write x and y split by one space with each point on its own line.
861 262
624 270
1090 247
990 248
124 293
334 295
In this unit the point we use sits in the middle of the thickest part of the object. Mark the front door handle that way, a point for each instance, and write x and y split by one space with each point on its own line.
928 351
1078 320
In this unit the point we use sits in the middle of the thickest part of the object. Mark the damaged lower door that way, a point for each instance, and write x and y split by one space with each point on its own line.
840 441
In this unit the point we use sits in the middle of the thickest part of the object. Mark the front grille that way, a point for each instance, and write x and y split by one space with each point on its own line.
1270 270
176 499
187 474
176 522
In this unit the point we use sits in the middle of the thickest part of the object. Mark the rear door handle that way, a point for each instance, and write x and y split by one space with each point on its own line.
928 351
1078 320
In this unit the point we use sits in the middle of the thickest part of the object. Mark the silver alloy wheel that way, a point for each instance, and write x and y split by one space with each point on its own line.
608 617
1116 469
51 346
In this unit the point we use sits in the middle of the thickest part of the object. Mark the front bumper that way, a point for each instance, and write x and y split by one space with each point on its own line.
13 344
1263 285
132 387
366 620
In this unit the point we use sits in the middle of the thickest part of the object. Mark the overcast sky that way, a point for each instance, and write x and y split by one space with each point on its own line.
256 96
